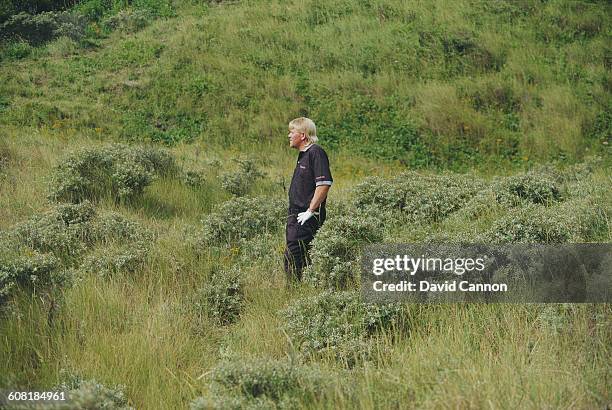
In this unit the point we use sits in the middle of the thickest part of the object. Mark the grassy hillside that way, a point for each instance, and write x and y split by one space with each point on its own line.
135 265
448 84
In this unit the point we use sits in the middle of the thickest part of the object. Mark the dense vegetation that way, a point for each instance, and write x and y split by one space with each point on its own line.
143 178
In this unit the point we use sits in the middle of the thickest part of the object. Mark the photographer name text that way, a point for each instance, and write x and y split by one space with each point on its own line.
446 286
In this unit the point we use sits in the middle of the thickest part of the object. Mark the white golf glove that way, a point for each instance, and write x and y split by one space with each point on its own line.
304 216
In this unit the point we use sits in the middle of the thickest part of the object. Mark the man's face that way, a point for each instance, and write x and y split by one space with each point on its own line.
295 139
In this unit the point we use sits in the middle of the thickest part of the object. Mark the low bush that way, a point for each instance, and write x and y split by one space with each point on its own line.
230 402
33 272
222 298
64 230
107 261
129 21
90 394
262 384
194 179
482 203
112 227
40 28
68 240
554 318
120 170
239 182
338 324
243 218
259 249
68 230
536 188
421 198
569 222
335 250
272 379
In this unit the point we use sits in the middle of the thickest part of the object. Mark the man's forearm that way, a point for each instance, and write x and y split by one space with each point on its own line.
319 196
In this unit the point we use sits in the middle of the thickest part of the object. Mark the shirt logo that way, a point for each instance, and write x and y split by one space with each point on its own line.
302 166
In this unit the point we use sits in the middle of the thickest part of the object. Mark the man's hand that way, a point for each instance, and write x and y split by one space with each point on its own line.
304 216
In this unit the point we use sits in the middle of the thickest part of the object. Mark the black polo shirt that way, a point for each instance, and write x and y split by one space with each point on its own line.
312 170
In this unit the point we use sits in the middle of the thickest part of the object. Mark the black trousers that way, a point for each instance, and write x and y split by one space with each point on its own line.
298 239
296 258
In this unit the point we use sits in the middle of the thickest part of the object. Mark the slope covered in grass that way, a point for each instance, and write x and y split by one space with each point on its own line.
443 84
156 287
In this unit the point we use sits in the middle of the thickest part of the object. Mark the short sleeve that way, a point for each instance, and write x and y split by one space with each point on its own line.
320 166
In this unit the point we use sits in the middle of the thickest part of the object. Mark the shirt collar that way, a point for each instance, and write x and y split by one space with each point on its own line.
306 147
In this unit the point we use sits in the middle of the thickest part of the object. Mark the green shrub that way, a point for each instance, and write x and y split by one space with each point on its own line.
335 250
258 249
120 170
494 95
15 50
194 179
243 218
65 237
240 182
421 198
64 230
109 260
90 394
112 227
338 324
70 230
536 188
40 28
554 318
129 21
229 402
262 384
481 204
222 298
379 193
569 222
32 272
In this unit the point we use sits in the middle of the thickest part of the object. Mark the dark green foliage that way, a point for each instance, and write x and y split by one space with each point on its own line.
601 127
338 324
369 127
119 170
15 50
9 8
40 28
493 95
98 9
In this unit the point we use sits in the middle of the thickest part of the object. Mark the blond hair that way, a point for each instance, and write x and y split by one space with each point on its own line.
307 126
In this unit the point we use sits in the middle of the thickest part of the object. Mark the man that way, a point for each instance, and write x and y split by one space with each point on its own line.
307 194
